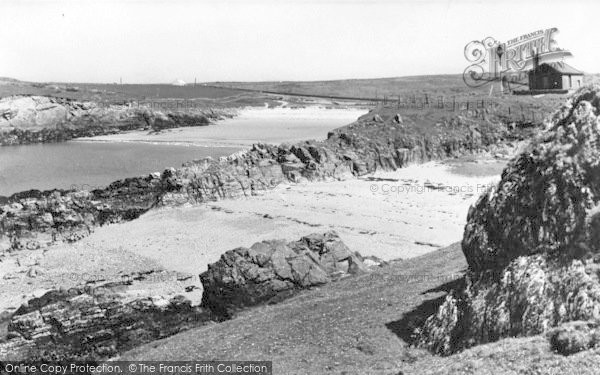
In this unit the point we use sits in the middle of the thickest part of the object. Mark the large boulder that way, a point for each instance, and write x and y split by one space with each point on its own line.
270 271
532 242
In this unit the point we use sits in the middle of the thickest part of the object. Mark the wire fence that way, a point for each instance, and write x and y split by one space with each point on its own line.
478 108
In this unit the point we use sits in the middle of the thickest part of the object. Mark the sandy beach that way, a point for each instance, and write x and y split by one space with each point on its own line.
391 215
251 125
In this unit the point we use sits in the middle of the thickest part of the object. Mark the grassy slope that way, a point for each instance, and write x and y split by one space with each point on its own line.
361 325
446 84
349 325
441 84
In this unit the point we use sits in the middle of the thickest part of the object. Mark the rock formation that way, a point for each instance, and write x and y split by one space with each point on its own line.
270 271
93 323
36 219
573 337
41 119
532 242
98 321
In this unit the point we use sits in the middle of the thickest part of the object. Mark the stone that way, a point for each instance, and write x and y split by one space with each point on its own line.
34 271
302 154
531 243
36 219
41 119
573 337
273 270
96 322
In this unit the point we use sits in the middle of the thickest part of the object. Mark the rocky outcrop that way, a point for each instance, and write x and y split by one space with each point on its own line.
40 119
105 318
94 323
270 271
35 219
573 337
532 242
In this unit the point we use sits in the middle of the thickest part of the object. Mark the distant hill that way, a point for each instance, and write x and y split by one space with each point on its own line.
446 84
8 79
443 84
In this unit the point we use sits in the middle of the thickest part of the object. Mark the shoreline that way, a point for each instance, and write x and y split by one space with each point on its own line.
247 197
47 119
250 125
184 240
138 153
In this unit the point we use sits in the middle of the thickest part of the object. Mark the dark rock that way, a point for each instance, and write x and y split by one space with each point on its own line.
270 271
531 243
94 322
302 153
573 337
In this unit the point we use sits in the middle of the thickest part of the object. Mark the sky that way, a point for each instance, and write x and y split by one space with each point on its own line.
158 41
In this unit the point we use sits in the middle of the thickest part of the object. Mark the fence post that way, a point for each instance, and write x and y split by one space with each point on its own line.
522 114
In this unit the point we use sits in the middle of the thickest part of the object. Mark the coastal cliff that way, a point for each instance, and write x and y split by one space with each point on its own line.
532 245
42 119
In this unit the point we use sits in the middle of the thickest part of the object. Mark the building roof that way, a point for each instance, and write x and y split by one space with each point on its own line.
560 67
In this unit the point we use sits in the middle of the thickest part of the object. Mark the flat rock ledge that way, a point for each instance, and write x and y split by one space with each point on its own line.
532 243
271 271
92 323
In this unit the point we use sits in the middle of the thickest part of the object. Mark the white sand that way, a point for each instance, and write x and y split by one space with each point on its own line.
391 215
252 125
389 219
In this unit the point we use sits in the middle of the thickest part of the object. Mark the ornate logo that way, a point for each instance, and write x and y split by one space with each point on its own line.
491 60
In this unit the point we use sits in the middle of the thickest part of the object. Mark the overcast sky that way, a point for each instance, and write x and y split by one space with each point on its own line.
250 40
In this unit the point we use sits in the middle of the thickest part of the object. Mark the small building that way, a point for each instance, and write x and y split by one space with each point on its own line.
555 76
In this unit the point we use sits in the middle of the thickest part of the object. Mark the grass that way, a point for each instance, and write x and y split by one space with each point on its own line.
363 325
351 325
451 84
451 87
117 94
446 84
237 94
